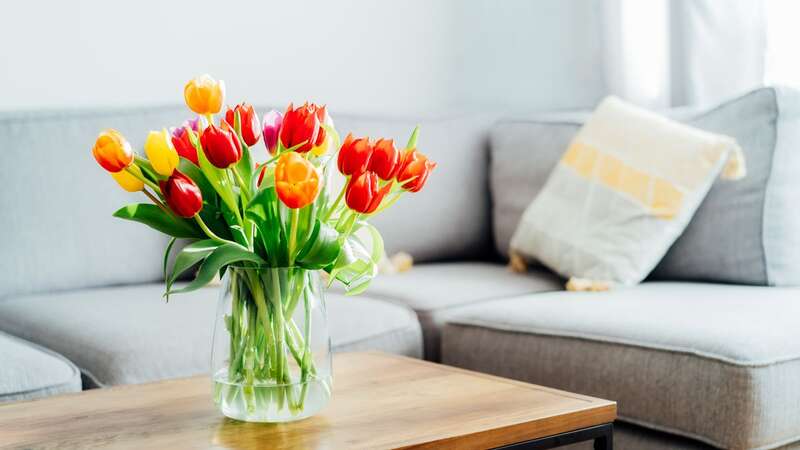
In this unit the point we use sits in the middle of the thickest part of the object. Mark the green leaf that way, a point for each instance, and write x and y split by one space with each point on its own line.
322 247
147 170
377 240
189 256
263 211
189 169
166 256
412 141
219 258
354 267
156 218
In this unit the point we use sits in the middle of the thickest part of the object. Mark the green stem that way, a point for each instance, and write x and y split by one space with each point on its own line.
208 231
335 203
158 202
294 218
242 185
277 307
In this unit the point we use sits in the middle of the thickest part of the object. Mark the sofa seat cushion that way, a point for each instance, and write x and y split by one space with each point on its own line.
125 335
436 290
28 371
713 362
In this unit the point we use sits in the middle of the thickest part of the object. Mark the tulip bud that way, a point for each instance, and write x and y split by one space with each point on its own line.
248 121
385 161
354 156
204 95
112 151
301 127
414 170
221 146
272 125
183 144
128 181
363 194
296 180
160 152
182 195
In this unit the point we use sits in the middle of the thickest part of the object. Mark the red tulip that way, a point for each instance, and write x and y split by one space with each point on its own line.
183 144
302 127
182 195
385 161
354 156
221 146
251 129
414 170
364 194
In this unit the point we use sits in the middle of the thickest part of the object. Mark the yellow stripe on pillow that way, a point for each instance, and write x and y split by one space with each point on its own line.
661 197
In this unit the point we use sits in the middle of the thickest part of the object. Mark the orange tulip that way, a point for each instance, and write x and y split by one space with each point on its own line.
204 95
296 180
112 151
414 170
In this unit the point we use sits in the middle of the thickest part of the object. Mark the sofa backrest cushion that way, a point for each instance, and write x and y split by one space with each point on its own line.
746 231
57 232
56 229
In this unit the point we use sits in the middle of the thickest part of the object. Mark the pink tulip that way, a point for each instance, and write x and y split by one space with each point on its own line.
272 125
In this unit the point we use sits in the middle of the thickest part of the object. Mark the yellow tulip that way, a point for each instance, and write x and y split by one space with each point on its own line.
160 152
128 181
321 149
204 95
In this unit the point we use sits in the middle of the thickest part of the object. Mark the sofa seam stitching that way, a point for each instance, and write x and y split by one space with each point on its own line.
767 189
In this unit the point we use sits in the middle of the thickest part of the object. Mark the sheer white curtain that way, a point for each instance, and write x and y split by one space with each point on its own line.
661 53
783 36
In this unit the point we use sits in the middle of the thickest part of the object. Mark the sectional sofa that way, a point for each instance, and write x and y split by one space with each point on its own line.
693 359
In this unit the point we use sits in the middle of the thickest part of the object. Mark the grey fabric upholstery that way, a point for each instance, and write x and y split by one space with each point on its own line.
437 290
712 362
58 228
633 437
28 371
746 231
126 335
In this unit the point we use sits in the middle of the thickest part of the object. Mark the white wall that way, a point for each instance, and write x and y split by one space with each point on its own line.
417 56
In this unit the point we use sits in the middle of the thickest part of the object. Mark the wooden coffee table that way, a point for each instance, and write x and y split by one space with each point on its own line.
379 401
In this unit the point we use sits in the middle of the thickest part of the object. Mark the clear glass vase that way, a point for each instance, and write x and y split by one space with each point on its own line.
271 358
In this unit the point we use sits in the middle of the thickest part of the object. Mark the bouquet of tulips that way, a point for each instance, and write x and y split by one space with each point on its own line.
203 185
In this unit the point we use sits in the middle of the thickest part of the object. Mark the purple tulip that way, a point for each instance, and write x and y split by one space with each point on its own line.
272 125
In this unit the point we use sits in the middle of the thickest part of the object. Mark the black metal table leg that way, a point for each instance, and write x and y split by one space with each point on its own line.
603 436
605 442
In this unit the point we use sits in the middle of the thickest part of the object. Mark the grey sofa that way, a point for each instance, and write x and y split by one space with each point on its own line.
692 364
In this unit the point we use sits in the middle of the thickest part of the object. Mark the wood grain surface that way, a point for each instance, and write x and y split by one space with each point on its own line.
379 401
